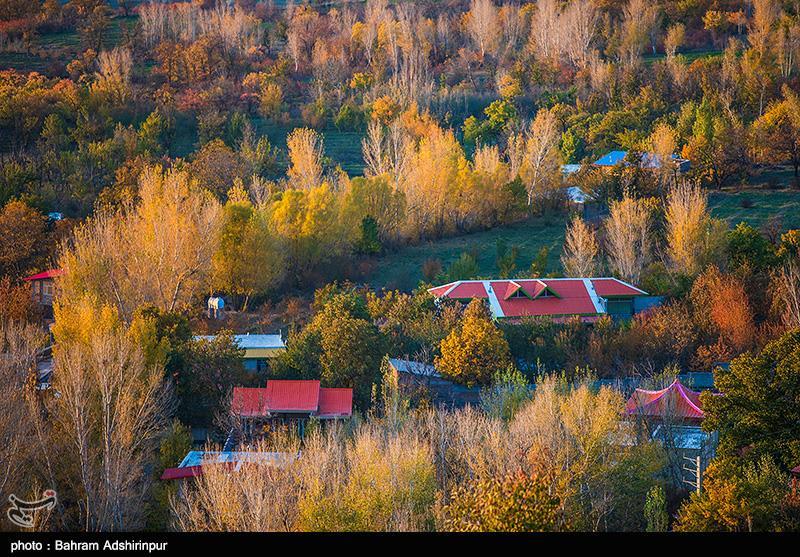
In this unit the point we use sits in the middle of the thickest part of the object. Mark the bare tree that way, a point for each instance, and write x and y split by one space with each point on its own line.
111 407
483 25
628 229
19 345
546 36
786 287
579 22
540 165
372 149
580 250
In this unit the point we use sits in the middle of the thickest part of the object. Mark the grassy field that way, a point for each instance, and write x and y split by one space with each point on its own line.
756 207
688 56
403 269
51 51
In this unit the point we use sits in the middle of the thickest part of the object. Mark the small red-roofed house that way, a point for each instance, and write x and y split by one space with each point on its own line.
292 398
43 286
289 401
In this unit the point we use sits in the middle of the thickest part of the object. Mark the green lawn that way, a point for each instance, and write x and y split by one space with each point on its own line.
783 204
343 147
403 269
688 56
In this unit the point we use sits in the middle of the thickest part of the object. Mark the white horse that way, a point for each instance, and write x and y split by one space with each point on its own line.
215 307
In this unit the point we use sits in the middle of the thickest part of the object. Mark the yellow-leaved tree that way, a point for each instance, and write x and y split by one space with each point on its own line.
693 237
475 350
152 252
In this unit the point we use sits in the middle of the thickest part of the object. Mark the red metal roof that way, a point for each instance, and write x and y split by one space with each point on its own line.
675 401
50 273
615 287
441 290
181 473
570 296
466 290
292 396
249 402
334 403
572 299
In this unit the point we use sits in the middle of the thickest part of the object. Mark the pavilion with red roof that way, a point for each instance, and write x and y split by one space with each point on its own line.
675 402
557 298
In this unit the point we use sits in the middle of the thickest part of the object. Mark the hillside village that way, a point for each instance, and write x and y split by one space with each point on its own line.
460 266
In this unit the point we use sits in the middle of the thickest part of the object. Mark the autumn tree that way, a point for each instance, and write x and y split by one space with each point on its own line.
476 350
109 413
776 133
305 158
628 237
155 251
716 147
310 225
113 78
249 258
723 311
24 233
580 250
18 305
515 503
216 167
693 237
740 496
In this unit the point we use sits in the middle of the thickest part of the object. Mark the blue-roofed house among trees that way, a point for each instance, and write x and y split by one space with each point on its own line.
650 161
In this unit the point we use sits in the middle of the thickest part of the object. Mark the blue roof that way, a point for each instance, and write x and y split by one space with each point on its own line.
612 158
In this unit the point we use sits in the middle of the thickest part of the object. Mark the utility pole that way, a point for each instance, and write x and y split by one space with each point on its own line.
697 473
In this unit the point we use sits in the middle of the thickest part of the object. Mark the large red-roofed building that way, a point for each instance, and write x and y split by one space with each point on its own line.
557 298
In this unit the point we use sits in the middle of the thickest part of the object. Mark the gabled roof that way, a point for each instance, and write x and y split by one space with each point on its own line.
675 401
49 274
292 397
553 297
